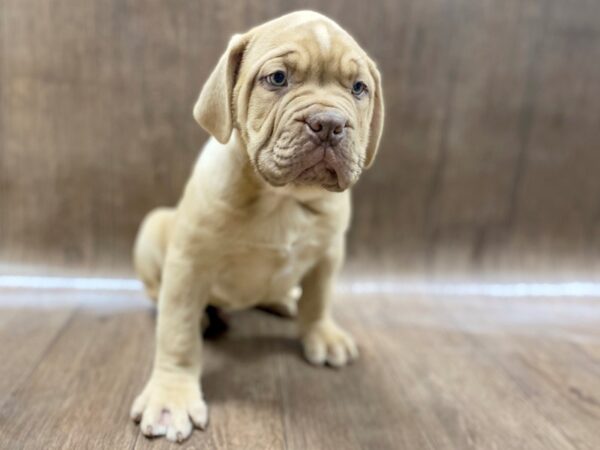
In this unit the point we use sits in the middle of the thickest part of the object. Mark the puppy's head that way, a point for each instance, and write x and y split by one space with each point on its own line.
305 98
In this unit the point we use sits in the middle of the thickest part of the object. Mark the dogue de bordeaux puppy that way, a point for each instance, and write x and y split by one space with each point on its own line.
295 110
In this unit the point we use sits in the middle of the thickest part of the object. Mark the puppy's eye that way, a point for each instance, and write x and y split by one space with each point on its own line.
359 88
277 78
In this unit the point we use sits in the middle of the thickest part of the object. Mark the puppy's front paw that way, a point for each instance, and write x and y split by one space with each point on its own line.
325 342
168 406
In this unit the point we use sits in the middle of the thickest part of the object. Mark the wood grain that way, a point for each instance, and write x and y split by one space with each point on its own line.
489 160
434 373
80 390
25 338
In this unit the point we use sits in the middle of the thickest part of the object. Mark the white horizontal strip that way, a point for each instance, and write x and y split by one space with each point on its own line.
70 283
433 288
474 289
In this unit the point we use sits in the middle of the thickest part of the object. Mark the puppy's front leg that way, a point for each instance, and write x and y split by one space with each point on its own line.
322 339
172 399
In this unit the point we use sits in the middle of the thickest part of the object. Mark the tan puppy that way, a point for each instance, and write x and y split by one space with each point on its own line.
295 107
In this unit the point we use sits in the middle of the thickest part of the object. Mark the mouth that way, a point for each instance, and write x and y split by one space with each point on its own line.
309 164
326 172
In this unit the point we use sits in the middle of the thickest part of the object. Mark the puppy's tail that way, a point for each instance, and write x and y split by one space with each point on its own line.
150 248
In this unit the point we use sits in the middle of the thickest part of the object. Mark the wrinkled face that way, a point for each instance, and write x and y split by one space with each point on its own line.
306 100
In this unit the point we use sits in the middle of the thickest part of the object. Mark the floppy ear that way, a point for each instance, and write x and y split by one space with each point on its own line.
213 109
376 126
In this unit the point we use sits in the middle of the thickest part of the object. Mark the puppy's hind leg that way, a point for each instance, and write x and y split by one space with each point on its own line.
150 248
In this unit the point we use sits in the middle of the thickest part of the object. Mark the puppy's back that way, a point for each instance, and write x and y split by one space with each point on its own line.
151 247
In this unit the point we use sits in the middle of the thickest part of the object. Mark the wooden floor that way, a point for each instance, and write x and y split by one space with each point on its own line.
435 373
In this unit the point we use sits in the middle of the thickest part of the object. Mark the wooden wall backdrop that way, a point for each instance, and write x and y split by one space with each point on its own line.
490 161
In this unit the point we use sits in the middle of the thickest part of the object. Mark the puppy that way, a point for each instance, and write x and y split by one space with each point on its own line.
295 109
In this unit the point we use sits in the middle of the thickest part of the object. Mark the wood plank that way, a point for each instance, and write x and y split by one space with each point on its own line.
492 127
421 384
434 373
79 394
26 335
354 408
539 353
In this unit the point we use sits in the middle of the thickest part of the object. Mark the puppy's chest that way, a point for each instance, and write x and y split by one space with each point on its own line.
269 257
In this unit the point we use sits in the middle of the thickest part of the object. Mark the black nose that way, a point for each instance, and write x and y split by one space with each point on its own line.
327 126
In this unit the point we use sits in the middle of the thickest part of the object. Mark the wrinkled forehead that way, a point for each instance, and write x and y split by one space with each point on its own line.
314 45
